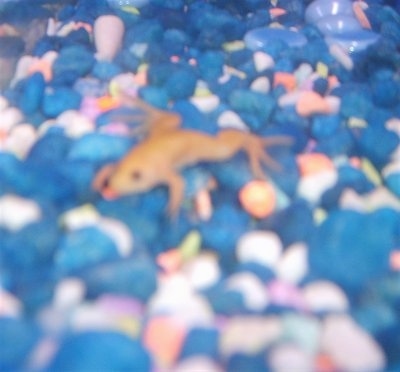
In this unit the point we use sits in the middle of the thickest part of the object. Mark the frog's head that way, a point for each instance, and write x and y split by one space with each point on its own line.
115 180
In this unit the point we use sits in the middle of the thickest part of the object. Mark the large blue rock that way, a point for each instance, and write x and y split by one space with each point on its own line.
18 337
135 277
347 240
100 351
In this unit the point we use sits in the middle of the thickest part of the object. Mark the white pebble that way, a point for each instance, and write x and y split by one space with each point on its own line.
10 306
290 357
311 187
82 216
249 335
293 264
3 103
303 72
262 247
252 289
197 363
302 329
91 317
378 198
229 119
351 348
289 99
75 124
339 53
202 271
205 104
323 296
262 61
87 215
333 103
391 168
9 117
119 233
21 71
17 212
69 293
20 140
261 85
175 297
393 124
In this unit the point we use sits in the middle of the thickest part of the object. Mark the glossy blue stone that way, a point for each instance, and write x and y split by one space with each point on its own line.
322 8
337 24
354 41
259 38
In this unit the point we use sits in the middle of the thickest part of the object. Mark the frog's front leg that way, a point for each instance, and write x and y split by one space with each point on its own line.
176 186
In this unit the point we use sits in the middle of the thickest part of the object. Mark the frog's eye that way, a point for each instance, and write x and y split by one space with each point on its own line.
136 175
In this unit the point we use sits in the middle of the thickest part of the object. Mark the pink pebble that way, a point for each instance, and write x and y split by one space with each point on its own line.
285 294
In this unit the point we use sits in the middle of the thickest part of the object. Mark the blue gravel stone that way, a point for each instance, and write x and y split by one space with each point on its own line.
33 90
222 231
254 103
348 239
52 148
293 224
83 248
58 100
32 247
323 126
100 350
378 143
321 86
135 277
174 41
181 84
264 273
18 339
201 341
157 97
386 93
104 70
355 104
245 363
210 65
225 302
72 62
99 148
392 182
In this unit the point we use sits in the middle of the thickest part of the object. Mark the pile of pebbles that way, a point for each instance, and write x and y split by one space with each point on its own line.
308 282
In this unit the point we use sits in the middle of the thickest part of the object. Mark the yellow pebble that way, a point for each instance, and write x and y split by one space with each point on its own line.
322 69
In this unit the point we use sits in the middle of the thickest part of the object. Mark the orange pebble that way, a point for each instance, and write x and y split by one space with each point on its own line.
360 15
164 337
286 79
310 103
324 363
277 12
355 162
170 261
258 198
106 103
313 163
43 66
395 260
141 78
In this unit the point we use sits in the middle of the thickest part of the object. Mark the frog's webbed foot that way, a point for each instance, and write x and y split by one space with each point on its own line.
257 154
155 121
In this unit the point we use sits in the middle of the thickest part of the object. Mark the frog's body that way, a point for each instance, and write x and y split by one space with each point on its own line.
158 159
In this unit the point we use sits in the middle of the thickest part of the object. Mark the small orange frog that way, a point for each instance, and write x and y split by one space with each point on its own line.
167 149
